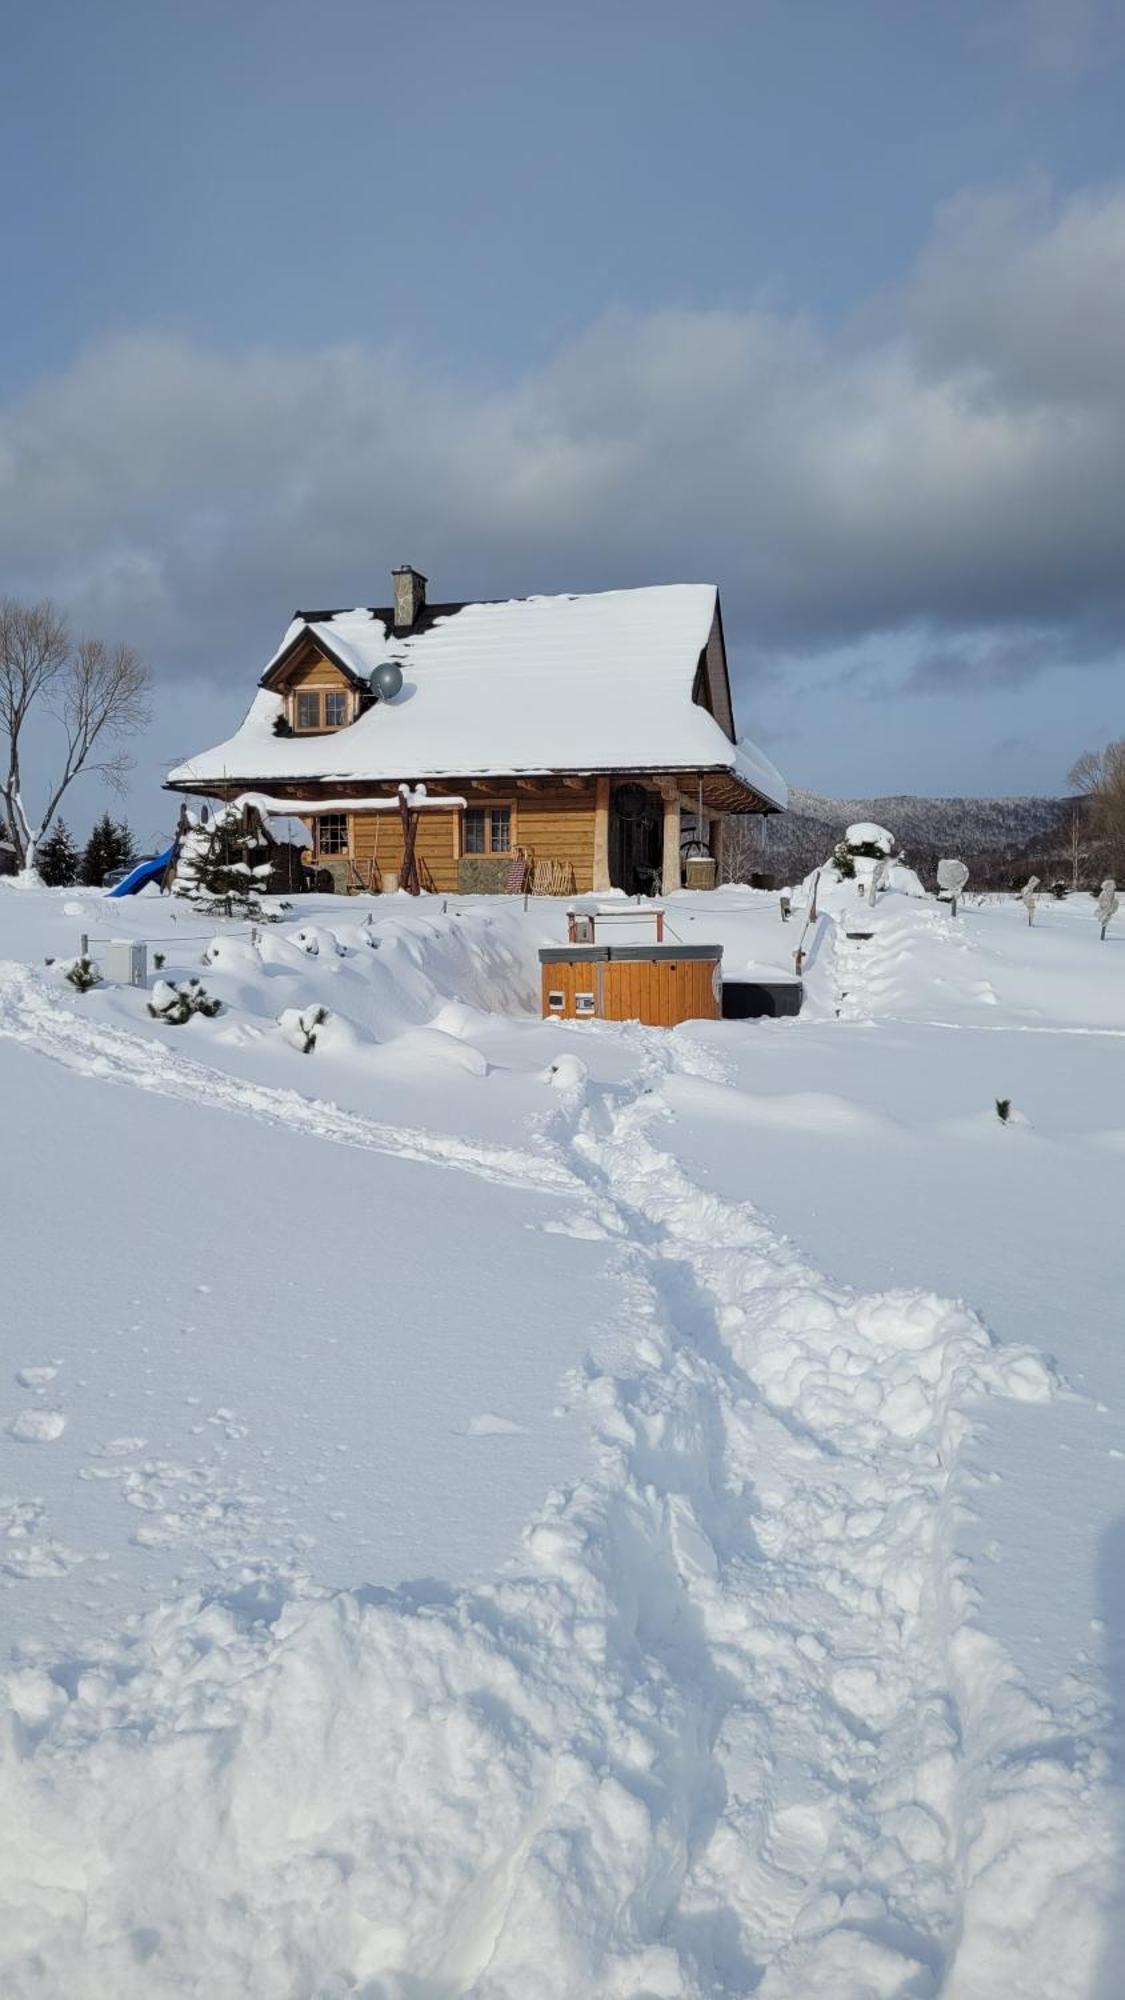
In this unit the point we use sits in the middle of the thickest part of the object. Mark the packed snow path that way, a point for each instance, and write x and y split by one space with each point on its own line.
726 1727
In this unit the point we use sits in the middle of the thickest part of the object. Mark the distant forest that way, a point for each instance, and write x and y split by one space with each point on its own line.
1001 841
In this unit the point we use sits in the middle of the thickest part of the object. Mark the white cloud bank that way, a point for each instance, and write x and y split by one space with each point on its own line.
952 463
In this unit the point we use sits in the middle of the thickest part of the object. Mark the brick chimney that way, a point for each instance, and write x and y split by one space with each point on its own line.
410 596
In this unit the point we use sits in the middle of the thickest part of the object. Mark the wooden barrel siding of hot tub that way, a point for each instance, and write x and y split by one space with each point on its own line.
659 985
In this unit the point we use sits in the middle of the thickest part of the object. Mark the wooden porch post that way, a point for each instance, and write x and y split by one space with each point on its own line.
601 881
670 875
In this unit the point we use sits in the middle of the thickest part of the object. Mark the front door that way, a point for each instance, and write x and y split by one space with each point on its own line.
636 840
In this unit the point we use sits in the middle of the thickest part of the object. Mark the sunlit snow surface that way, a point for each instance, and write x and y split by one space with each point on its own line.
454 1539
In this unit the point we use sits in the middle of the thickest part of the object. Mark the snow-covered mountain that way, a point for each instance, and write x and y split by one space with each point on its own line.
999 838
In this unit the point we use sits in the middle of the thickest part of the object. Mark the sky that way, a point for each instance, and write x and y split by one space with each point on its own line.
820 300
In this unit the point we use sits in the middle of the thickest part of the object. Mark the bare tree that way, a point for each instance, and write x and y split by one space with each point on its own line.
742 850
1076 832
1100 777
97 694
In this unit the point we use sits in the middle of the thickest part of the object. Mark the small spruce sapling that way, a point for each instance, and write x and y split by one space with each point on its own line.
158 960
1003 1109
83 974
174 1005
842 861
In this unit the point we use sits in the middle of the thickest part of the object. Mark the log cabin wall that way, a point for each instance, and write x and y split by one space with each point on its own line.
548 823
376 846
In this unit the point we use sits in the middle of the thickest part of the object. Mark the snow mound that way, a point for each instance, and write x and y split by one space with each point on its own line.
37 1426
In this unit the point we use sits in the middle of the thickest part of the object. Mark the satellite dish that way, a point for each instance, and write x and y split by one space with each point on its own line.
386 680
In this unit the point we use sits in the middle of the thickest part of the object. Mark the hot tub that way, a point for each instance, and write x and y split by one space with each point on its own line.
659 984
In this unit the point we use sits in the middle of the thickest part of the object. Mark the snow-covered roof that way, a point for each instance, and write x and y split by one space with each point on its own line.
530 685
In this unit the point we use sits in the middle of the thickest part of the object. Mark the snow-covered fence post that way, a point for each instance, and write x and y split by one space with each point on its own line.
1105 909
952 877
1029 898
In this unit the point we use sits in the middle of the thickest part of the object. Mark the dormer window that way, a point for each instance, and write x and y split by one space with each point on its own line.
318 709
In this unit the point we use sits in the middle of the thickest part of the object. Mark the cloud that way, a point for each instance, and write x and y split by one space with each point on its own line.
959 473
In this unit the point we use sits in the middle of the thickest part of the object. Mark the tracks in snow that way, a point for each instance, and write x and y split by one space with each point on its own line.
802 1443
725 1727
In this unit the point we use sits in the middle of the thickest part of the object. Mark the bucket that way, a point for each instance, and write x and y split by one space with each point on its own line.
700 871
389 879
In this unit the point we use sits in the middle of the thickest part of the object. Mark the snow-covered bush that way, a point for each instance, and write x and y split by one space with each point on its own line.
174 1004
566 1072
869 840
1105 909
867 855
82 974
951 879
299 1026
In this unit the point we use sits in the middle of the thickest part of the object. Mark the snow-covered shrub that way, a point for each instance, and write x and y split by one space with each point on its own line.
299 1026
1105 909
1029 896
317 942
843 861
873 842
174 1004
567 1072
951 879
82 973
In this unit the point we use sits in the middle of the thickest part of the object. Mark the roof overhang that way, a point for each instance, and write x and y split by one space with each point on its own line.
723 789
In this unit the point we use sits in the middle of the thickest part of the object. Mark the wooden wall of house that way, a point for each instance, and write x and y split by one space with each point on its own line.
377 837
314 670
557 824
554 823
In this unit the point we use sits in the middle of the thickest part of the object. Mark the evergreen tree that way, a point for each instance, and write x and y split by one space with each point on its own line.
97 856
224 864
59 858
110 846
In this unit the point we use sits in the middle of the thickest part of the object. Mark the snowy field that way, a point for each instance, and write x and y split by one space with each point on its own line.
529 1511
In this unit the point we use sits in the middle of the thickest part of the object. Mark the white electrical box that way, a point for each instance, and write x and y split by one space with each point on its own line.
125 962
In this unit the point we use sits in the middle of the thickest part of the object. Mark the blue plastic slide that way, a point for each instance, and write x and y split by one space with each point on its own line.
145 871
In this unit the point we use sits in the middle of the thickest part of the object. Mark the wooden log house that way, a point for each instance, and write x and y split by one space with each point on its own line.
565 744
